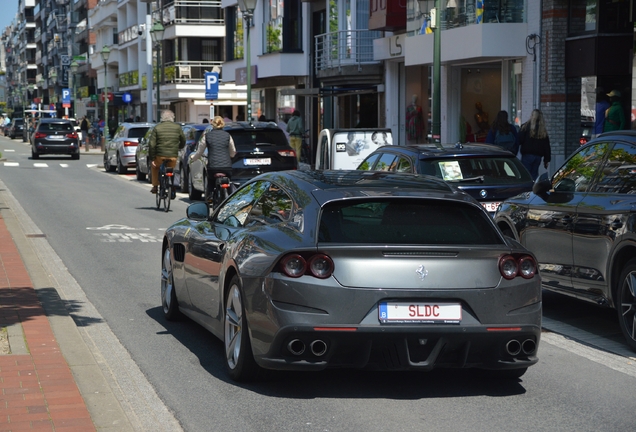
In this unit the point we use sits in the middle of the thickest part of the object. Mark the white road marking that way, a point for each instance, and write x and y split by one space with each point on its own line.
40 165
117 227
127 237
91 165
64 165
9 164
8 150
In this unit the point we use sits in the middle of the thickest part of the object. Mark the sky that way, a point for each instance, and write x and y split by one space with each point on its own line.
8 9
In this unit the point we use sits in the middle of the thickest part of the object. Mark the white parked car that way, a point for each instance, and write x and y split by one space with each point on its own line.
120 150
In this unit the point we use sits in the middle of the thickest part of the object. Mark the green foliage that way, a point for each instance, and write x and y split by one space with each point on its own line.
274 38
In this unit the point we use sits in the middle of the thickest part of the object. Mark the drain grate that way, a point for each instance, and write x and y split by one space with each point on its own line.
35 235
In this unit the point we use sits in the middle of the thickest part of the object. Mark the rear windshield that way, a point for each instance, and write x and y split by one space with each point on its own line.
137 132
406 221
52 127
493 170
254 138
18 121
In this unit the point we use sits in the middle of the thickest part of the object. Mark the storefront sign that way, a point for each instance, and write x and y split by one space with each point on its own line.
389 47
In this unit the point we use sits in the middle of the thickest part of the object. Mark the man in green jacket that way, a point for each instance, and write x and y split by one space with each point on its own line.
614 115
165 141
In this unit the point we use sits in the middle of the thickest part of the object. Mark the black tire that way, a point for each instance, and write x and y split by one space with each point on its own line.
121 169
183 182
140 176
169 302
239 359
167 193
107 166
626 303
193 194
34 155
75 156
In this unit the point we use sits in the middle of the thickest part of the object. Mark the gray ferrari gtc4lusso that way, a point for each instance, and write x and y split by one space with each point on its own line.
305 270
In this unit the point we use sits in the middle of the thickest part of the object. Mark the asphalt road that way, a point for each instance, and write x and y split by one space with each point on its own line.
107 234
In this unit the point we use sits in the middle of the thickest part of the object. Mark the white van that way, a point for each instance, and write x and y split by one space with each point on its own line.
345 149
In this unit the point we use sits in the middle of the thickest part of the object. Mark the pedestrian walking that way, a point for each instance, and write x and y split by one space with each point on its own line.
503 134
295 130
165 141
535 144
614 115
84 126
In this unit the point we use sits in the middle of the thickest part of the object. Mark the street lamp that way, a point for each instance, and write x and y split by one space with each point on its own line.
437 71
74 67
247 7
156 32
105 53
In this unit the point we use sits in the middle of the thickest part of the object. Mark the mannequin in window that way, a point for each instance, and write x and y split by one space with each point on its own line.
414 120
481 117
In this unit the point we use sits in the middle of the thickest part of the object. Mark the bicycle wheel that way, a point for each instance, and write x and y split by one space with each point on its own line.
159 193
167 189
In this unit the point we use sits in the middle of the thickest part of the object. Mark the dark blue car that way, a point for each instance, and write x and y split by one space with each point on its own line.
486 172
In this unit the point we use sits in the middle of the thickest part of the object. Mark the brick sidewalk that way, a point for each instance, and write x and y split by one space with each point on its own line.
38 391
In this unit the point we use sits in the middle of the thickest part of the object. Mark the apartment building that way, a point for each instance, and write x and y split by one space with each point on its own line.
192 45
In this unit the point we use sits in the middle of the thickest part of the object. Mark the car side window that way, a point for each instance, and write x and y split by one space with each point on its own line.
619 172
237 208
367 164
404 165
386 163
578 172
274 206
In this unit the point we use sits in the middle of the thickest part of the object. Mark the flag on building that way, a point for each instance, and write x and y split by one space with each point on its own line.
479 11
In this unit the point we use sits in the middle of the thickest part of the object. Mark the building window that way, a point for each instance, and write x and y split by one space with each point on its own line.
282 27
234 25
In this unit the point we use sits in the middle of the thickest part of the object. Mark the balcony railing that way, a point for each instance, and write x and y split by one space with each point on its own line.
511 11
345 48
195 12
128 79
188 72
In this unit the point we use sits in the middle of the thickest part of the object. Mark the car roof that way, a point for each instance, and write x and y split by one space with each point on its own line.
621 133
135 125
198 126
342 184
243 125
54 120
437 150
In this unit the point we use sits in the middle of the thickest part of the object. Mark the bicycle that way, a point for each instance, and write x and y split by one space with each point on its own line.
166 187
223 188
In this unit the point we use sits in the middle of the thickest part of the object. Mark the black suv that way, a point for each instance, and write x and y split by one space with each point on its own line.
16 128
581 225
55 136
260 147
486 172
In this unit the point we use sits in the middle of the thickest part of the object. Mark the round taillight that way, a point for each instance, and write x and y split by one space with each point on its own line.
321 266
508 267
293 265
527 267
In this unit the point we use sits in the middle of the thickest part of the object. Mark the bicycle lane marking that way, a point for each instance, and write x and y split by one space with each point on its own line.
123 237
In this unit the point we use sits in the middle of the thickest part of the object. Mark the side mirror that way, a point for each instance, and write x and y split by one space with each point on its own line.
542 185
198 211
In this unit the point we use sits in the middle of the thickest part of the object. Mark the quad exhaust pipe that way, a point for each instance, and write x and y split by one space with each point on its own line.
514 347
297 347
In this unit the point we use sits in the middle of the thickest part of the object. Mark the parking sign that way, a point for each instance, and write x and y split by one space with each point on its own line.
211 85
66 98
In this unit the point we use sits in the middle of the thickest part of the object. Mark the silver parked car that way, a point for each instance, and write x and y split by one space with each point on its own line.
120 150
305 270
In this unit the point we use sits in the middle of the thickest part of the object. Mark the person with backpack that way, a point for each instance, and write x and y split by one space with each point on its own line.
535 143
503 134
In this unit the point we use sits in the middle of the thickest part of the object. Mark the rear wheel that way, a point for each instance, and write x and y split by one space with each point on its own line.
75 156
183 185
121 169
626 303
167 193
239 359
34 155
169 302
193 194
139 174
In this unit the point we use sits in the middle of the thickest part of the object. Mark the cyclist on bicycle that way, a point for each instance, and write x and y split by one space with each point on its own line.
164 143
221 150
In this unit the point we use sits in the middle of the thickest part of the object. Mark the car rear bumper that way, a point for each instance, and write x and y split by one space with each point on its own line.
495 324
67 149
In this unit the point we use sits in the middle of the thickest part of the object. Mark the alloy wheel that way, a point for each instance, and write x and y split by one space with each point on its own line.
168 295
628 305
233 327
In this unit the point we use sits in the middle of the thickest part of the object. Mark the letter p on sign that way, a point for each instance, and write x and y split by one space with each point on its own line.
211 85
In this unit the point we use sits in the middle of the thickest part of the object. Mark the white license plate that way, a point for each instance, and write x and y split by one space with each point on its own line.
56 137
264 161
401 312
491 206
